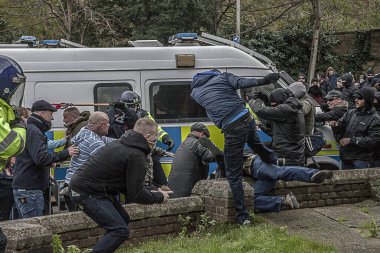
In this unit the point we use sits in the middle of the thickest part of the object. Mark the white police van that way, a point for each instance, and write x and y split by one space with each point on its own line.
160 75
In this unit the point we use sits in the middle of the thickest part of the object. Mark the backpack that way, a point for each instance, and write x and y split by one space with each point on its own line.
314 144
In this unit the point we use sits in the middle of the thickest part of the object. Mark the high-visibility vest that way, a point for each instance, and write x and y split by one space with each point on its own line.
12 141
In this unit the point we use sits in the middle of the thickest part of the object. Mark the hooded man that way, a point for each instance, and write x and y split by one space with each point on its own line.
348 90
217 93
286 124
119 167
360 131
368 81
308 107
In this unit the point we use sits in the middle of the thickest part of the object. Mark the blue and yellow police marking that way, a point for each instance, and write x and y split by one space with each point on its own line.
179 134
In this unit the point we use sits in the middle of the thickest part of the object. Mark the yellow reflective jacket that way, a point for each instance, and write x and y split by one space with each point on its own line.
12 140
161 132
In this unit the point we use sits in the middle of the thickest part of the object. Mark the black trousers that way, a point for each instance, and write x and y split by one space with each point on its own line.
3 241
6 199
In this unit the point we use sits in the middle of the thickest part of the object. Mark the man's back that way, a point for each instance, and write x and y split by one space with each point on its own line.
190 165
119 167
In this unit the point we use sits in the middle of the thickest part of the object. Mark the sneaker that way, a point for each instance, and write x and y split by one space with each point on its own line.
321 176
291 201
245 223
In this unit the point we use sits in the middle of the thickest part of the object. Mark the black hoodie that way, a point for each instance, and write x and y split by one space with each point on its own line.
120 167
287 128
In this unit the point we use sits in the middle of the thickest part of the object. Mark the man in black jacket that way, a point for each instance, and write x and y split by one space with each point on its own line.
376 150
359 129
32 168
191 161
337 107
286 125
120 167
348 90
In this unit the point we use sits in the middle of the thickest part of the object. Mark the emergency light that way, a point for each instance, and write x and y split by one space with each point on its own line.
179 37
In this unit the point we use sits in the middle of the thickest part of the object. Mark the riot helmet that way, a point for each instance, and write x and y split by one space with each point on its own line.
130 99
11 78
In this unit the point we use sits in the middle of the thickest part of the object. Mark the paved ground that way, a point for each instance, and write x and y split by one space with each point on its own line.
341 226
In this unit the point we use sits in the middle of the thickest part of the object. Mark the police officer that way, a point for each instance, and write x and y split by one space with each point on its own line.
132 101
12 128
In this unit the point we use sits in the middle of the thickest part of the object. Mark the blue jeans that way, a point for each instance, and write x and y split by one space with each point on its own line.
357 164
266 176
110 215
235 140
30 203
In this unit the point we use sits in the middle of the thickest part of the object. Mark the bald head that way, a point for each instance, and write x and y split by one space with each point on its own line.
145 126
97 122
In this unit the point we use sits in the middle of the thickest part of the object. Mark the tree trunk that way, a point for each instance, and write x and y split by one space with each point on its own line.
314 46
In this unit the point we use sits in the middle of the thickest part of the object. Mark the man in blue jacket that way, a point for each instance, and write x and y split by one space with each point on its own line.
217 93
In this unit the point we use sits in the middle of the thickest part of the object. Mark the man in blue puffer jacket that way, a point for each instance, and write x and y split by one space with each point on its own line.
217 93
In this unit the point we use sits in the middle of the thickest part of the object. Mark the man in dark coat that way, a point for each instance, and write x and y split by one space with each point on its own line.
376 150
32 168
286 126
337 107
120 167
359 130
348 90
191 162
217 93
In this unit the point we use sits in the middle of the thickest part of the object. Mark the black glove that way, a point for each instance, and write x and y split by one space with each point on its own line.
324 107
270 78
261 96
18 122
119 105
168 141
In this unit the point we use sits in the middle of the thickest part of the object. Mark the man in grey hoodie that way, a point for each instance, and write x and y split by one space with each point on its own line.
89 141
308 107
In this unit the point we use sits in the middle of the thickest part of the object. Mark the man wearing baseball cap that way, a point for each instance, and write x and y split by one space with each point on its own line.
32 167
336 107
191 160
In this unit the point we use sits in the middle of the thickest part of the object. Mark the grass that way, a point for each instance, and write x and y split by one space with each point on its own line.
231 238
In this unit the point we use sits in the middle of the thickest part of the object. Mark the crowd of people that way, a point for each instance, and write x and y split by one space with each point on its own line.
115 152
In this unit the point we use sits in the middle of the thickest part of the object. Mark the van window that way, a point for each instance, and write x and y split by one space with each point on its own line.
108 93
171 102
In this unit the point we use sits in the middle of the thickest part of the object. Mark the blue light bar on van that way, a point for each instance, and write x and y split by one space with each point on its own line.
50 43
182 37
30 39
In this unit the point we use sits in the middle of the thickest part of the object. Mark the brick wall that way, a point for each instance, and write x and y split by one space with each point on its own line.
211 196
347 43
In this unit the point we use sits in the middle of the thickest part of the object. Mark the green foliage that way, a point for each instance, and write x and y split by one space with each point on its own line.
371 228
289 48
205 223
364 209
185 223
227 238
341 219
56 244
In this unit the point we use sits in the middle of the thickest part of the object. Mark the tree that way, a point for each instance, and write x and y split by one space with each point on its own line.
315 40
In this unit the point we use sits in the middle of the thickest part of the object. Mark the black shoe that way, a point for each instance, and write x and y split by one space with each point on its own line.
321 176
